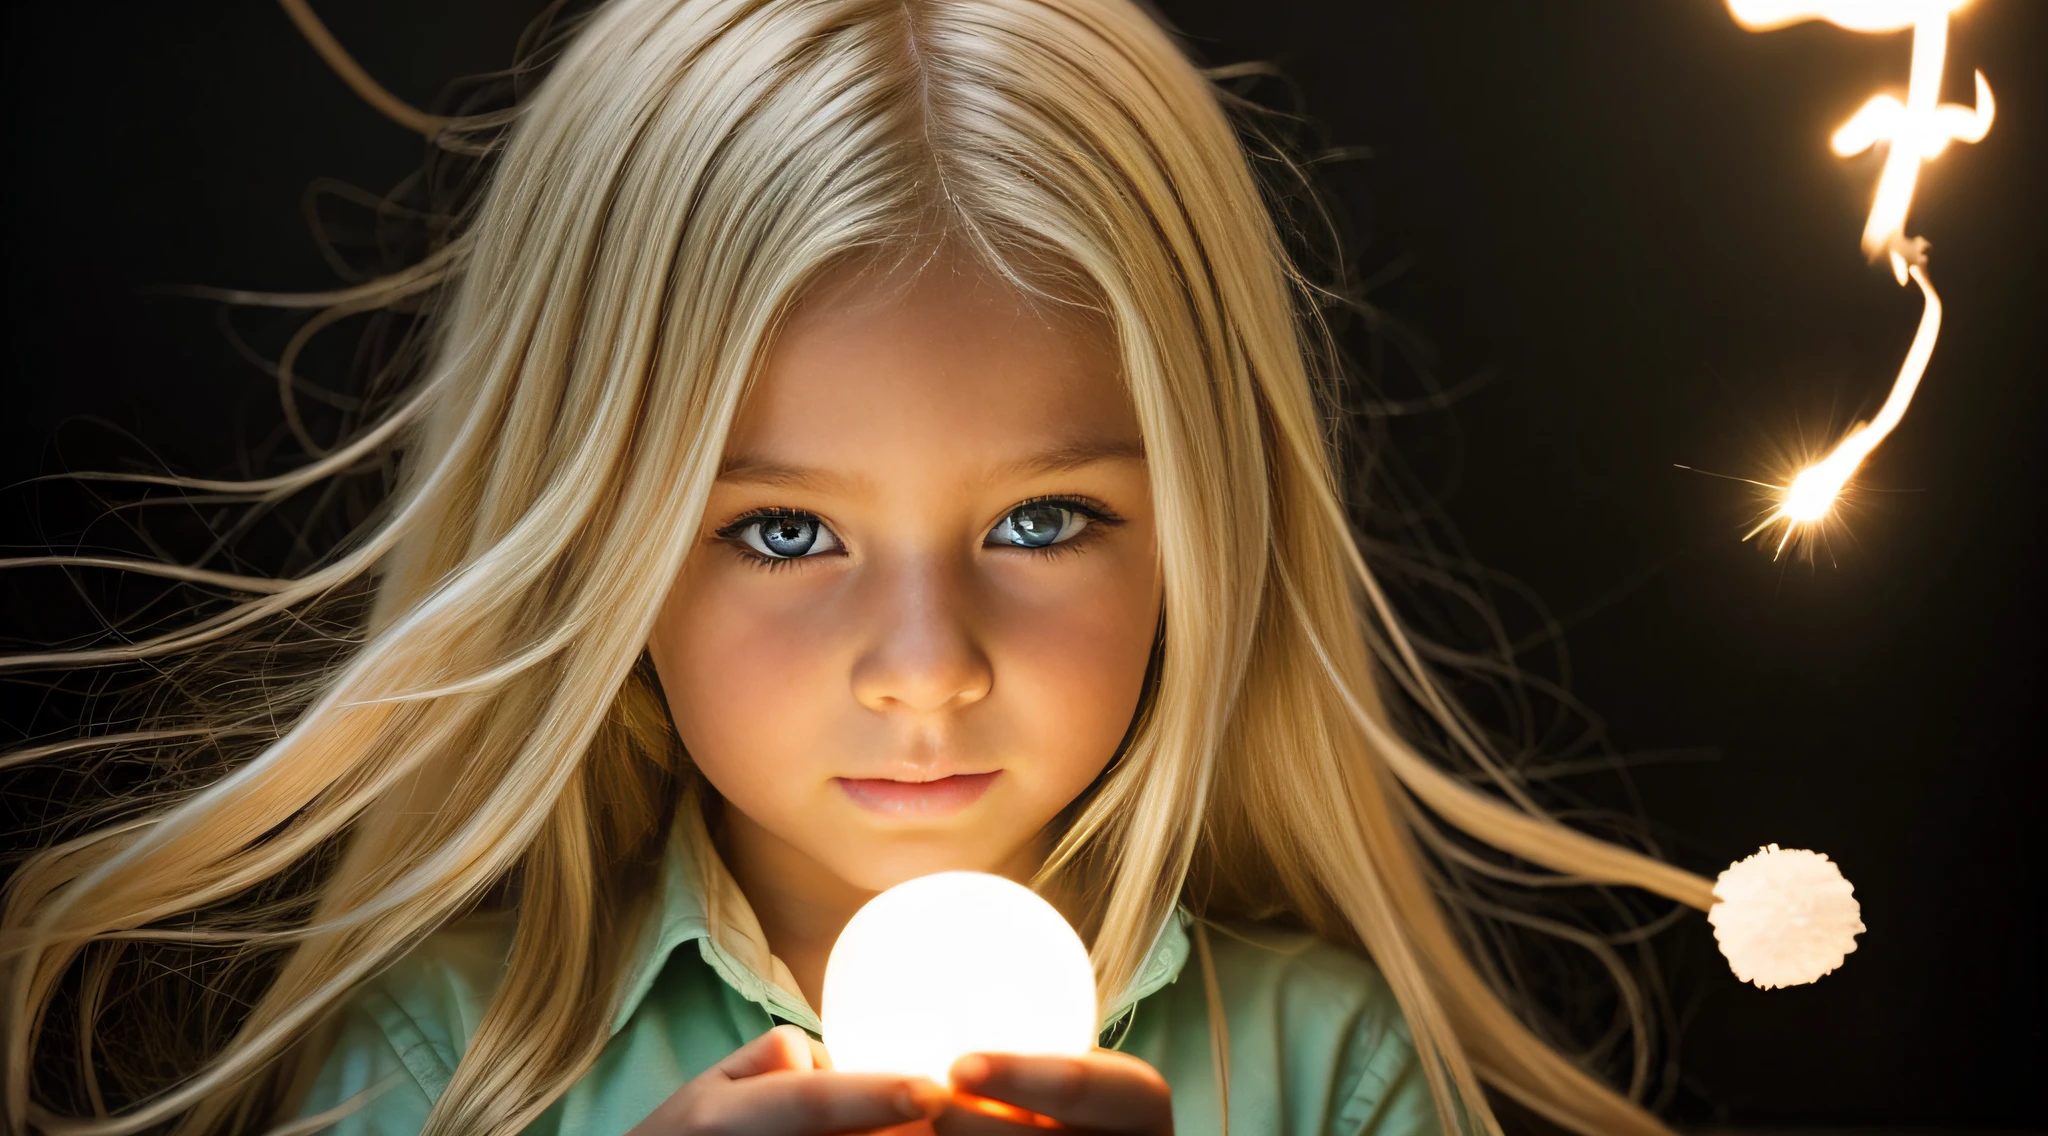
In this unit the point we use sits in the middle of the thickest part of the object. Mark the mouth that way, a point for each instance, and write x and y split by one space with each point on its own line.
940 797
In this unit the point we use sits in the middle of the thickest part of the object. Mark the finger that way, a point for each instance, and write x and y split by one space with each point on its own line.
1104 1090
816 1104
782 1049
819 1058
969 1115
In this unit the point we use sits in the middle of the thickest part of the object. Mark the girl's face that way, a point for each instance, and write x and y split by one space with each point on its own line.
916 621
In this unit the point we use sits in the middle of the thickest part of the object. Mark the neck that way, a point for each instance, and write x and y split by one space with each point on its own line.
802 904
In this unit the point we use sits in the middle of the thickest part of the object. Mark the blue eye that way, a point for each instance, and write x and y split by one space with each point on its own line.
782 536
1039 524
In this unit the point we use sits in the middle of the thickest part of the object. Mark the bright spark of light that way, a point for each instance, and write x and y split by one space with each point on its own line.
1917 131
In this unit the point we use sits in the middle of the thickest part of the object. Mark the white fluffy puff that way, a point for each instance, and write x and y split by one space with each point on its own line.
1784 916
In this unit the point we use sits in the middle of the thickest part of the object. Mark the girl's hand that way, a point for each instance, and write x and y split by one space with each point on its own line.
780 1084
1105 1092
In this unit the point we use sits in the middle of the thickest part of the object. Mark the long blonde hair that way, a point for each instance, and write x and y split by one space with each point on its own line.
683 171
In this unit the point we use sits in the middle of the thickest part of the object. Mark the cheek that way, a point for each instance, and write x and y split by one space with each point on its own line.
742 673
1072 666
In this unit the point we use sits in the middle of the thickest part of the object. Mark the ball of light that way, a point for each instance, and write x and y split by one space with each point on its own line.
1812 494
951 964
1785 916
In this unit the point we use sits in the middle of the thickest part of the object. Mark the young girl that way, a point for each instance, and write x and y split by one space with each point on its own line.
862 438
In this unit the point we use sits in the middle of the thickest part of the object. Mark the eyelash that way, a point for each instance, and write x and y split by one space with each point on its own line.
1099 516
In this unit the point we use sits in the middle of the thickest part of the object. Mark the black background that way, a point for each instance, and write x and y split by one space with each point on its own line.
1626 208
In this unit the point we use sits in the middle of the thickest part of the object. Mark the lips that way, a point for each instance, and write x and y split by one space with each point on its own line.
941 797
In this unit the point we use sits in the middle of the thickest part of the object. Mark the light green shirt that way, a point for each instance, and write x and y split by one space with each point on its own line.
1317 1044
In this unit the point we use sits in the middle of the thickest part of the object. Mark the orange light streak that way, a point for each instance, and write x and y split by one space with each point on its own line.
1917 131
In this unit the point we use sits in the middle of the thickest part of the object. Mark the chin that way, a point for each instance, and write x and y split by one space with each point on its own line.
893 861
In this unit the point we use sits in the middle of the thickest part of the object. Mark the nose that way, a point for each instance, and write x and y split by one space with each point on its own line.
923 655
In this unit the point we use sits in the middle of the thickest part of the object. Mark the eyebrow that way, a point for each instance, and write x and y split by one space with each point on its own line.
756 471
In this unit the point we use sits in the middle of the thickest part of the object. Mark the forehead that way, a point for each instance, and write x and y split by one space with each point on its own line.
948 372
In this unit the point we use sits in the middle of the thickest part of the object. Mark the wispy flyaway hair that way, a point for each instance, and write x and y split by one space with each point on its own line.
684 171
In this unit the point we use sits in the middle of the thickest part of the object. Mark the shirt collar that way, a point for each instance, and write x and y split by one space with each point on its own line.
701 903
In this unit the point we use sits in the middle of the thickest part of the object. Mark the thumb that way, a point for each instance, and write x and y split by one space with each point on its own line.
784 1049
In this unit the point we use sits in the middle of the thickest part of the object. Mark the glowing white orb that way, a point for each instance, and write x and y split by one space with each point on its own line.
1784 916
951 964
